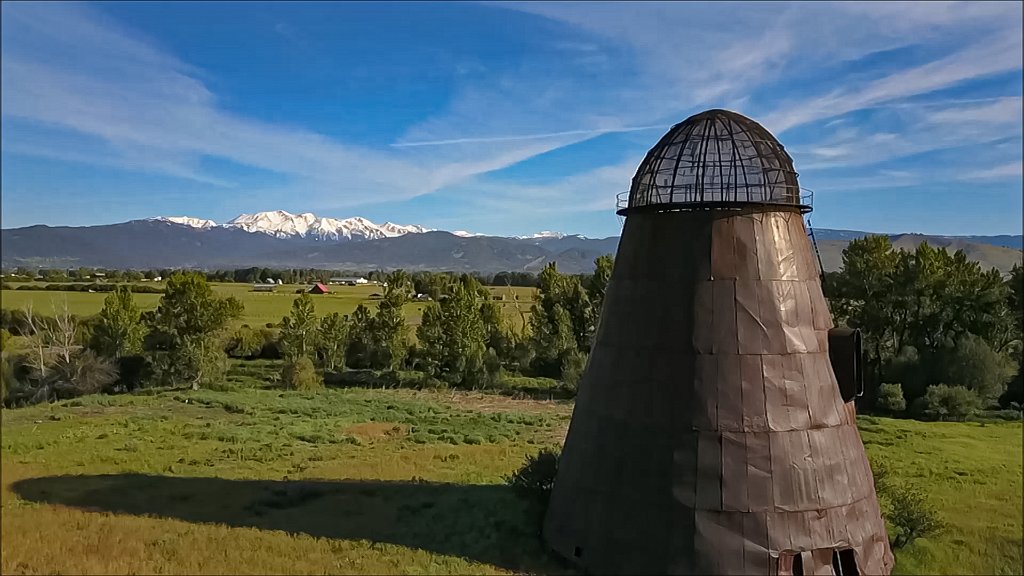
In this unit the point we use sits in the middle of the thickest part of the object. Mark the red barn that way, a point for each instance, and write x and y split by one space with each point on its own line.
319 288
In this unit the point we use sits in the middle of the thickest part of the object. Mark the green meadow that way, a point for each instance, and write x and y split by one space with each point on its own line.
369 481
260 307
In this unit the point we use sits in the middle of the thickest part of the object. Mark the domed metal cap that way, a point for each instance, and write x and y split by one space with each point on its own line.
717 159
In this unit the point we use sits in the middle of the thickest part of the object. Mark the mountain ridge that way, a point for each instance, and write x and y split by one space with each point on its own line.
183 242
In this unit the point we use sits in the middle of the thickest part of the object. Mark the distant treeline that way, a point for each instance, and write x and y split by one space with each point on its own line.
92 287
252 274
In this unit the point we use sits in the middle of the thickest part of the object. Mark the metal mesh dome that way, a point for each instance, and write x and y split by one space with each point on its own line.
716 159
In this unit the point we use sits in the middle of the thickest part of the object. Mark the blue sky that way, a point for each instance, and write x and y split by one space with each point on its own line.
504 118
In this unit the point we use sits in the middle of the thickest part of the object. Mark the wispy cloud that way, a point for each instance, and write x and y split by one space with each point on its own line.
90 77
1009 170
1001 53
80 87
594 132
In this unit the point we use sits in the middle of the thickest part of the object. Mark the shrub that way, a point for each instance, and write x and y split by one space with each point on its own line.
300 374
271 348
573 364
975 365
537 474
245 343
5 337
134 371
890 398
943 402
910 515
880 473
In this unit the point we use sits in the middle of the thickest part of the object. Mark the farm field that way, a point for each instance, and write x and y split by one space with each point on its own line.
260 307
381 481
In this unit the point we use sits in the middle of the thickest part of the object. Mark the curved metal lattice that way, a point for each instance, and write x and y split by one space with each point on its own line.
716 158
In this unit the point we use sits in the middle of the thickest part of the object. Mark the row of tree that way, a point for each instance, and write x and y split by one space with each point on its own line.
929 317
256 274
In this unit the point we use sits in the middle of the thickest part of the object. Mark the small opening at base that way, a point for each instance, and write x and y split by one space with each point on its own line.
577 552
844 563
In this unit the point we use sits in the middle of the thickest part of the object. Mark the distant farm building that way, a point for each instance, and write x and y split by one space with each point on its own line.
263 287
319 288
349 281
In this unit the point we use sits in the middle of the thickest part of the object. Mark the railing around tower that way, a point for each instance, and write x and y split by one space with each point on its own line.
806 202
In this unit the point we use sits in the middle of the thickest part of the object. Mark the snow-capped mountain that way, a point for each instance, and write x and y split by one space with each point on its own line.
186 221
542 234
282 224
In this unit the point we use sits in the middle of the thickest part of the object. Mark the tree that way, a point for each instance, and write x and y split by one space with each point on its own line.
1015 304
911 515
119 330
183 331
890 398
573 365
915 309
332 341
245 343
360 338
299 373
299 330
58 366
597 283
452 337
552 339
942 402
390 332
972 363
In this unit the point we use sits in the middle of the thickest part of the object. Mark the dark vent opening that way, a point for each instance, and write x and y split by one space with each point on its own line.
578 552
844 564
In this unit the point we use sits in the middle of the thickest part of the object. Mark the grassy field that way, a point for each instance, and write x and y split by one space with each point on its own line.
380 481
260 307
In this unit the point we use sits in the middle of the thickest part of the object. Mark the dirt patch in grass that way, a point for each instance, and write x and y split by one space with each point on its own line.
377 430
481 402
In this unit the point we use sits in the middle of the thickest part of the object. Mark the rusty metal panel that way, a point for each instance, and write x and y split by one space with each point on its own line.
778 531
821 563
724 317
771 317
796 392
684 470
756 558
709 471
734 472
755 418
785 298
783 482
723 260
745 246
785 253
805 317
799 531
705 387
760 491
820 454
710 535
730 393
776 405
703 318
751 334
805 486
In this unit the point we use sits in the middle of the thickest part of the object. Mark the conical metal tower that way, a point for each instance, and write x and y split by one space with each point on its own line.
709 434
